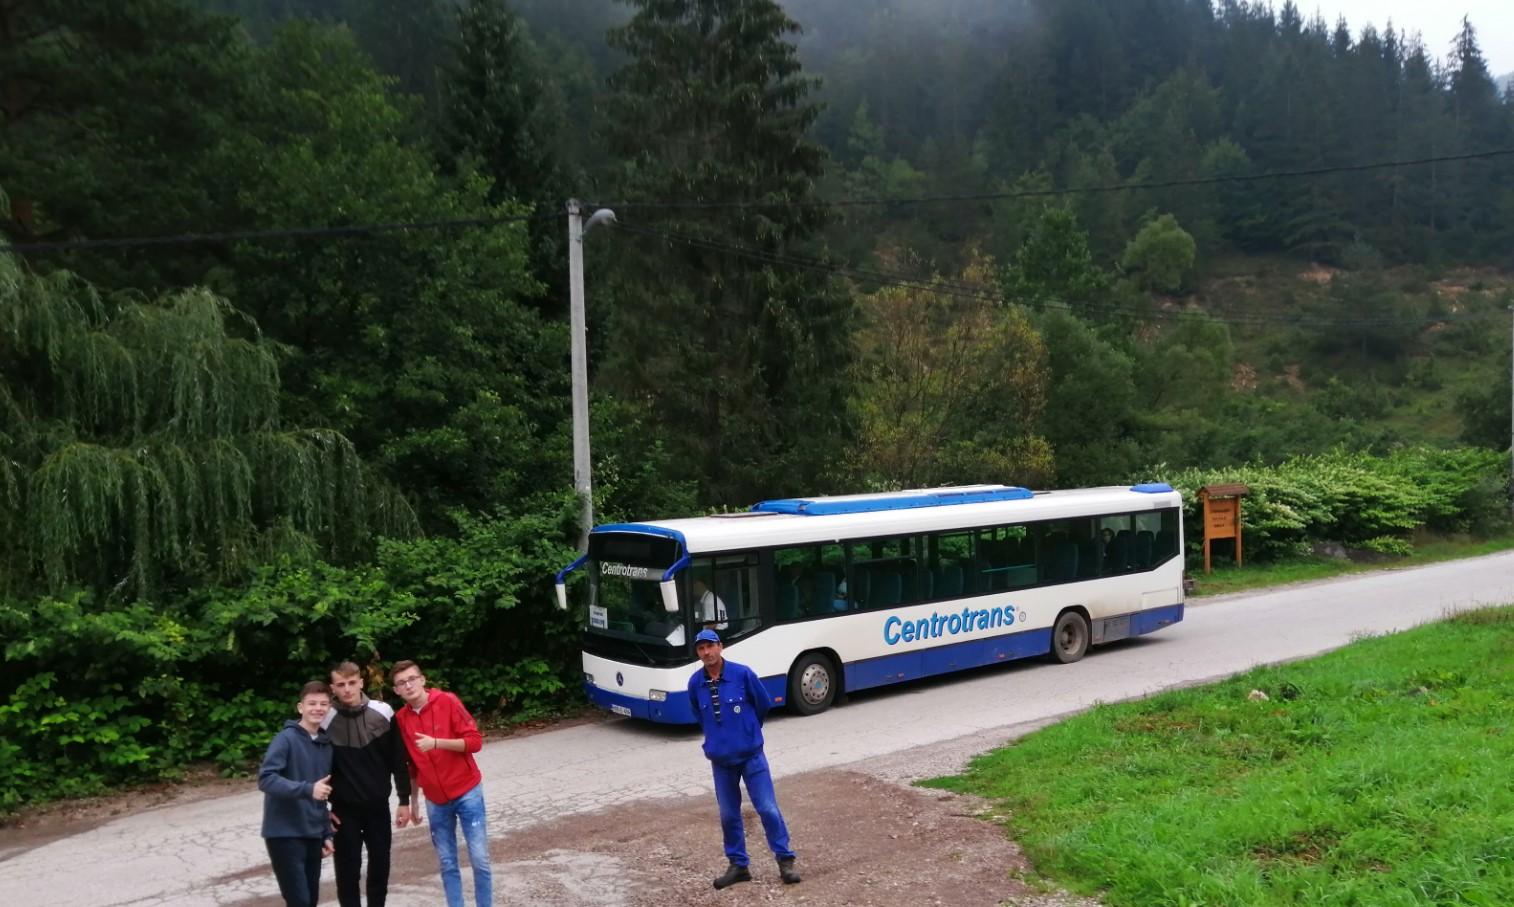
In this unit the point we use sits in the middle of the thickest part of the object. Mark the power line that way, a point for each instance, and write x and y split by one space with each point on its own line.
362 231
941 287
359 231
351 231
1067 190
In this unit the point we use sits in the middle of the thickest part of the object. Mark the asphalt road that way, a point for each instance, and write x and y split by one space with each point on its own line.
209 852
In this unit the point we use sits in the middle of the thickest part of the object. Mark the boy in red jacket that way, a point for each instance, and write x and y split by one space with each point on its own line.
440 740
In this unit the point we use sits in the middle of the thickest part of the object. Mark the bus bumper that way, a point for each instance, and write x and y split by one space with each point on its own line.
675 710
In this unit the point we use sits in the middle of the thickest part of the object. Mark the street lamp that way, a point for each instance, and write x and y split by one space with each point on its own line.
582 483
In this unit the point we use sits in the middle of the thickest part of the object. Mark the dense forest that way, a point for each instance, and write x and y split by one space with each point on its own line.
283 343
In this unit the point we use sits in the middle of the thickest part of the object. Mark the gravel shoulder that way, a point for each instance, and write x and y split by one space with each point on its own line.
862 842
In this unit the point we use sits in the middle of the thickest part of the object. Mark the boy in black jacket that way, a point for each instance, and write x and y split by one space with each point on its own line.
367 753
295 779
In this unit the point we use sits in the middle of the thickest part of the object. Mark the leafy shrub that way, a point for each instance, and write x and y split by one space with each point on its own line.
98 694
1388 544
1357 498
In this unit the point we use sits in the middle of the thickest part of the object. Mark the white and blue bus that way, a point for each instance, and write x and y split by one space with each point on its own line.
832 594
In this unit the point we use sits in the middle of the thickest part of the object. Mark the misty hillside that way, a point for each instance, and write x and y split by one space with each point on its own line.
287 365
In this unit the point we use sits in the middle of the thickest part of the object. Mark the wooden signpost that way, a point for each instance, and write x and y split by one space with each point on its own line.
1222 517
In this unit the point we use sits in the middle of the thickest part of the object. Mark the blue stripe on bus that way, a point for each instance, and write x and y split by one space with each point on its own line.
675 710
976 653
825 507
1154 619
778 689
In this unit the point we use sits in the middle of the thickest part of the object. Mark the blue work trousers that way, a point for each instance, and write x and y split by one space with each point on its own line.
759 786
467 810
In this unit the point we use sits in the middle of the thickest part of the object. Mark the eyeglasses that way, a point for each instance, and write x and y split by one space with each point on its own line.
408 681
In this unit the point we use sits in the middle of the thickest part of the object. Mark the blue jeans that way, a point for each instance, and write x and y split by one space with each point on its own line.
469 810
759 786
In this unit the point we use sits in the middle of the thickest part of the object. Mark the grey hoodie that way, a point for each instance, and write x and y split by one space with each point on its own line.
292 765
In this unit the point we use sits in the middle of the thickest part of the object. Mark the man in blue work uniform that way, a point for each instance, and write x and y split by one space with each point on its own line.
731 704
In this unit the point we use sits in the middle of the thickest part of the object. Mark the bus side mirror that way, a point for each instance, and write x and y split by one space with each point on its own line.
670 596
562 596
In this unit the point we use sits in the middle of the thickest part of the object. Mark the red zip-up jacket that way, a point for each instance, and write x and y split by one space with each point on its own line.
442 774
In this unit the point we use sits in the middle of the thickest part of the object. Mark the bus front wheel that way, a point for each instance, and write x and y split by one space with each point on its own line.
1069 637
812 684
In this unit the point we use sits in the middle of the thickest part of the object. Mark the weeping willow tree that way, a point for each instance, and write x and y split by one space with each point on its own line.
140 445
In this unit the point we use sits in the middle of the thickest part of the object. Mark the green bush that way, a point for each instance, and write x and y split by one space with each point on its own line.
98 694
1388 544
1355 498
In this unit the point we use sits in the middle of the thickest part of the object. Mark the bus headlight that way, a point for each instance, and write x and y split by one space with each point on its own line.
588 678
657 695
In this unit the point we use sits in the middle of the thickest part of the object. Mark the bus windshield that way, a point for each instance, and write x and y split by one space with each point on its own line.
625 604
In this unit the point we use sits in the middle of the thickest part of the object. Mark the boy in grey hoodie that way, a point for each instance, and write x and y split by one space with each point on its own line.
295 779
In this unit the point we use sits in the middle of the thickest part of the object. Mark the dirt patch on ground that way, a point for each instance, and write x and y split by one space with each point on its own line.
1318 274
1243 378
862 842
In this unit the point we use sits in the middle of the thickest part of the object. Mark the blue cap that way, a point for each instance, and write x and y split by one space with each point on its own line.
706 636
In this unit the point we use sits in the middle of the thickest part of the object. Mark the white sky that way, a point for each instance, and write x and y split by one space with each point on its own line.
1437 21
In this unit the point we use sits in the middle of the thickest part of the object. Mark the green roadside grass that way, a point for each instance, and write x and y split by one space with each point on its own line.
1229 578
1378 775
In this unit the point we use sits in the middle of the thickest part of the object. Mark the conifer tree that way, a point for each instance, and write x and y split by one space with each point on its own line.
494 96
1477 125
744 361
109 114
500 106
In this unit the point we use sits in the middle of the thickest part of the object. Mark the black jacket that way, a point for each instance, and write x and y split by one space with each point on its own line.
366 754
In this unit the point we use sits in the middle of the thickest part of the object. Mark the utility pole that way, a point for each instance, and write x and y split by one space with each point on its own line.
582 482
1511 410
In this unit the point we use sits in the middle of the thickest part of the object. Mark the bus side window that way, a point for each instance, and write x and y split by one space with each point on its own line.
951 565
1152 547
1090 549
988 557
1057 553
793 568
833 564
809 581
1165 542
733 583
887 572
1119 545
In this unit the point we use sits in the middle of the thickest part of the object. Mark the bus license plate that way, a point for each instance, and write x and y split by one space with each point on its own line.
621 710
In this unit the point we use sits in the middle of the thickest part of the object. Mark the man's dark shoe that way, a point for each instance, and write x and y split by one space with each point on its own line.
787 871
733 874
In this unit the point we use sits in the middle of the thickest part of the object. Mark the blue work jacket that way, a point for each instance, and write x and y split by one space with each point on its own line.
736 735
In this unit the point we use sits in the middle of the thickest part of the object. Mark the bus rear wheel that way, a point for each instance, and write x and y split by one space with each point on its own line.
1069 637
812 684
